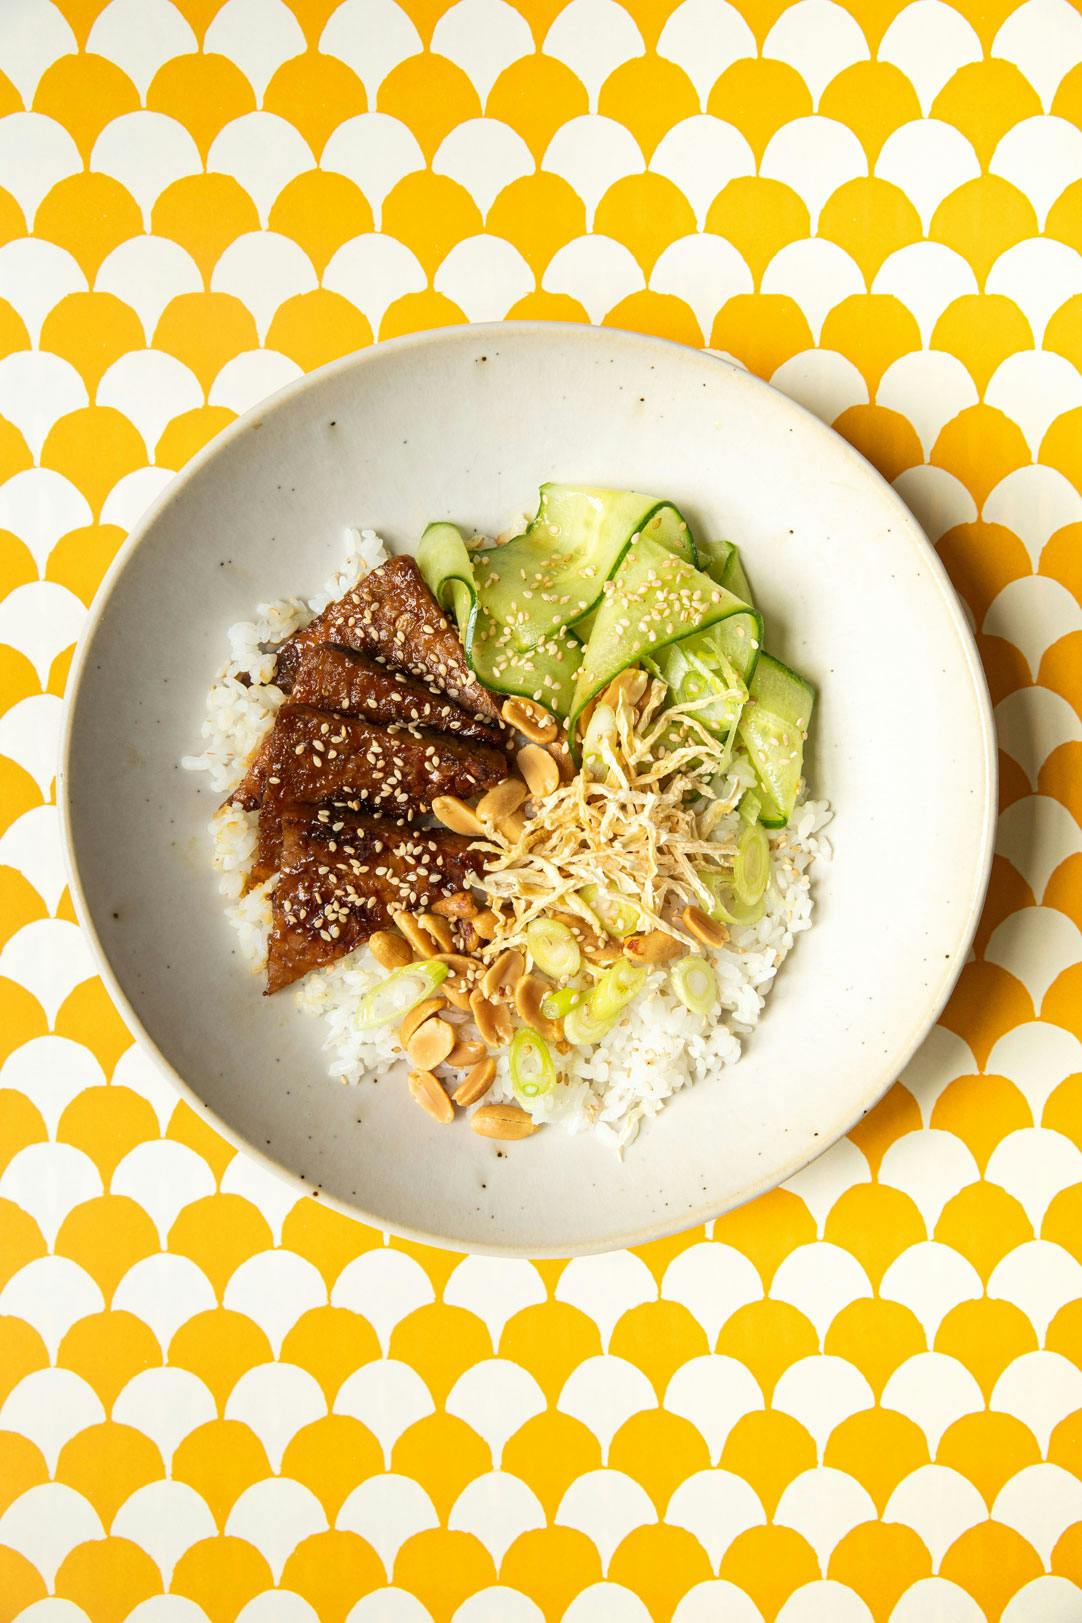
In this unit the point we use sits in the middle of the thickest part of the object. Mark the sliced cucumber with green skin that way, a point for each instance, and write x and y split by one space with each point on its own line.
721 561
772 729
656 599
553 574
444 561
698 669
734 579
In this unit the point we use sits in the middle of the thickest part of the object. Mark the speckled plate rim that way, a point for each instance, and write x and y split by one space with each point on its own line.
881 1077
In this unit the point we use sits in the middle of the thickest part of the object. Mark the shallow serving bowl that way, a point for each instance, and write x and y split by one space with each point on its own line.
465 424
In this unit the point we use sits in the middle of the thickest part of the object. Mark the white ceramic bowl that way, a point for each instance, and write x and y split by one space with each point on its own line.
466 423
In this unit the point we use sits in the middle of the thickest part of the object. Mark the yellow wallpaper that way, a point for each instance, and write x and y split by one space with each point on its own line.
859 1398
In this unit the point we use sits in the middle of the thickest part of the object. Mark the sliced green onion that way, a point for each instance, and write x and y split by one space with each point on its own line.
695 984
396 996
751 865
601 729
750 806
620 983
532 1069
554 949
583 1027
558 1005
617 914
722 904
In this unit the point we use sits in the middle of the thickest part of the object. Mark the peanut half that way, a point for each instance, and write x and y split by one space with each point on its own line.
702 928
431 1097
655 947
540 771
502 1121
531 720
417 1017
493 1020
504 974
457 816
417 936
476 1084
430 1044
500 802
390 949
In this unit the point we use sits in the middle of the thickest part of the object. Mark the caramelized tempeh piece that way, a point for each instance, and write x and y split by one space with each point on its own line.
343 873
316 756
392 614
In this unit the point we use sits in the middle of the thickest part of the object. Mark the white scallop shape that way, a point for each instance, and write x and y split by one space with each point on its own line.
603 1393
386 1511
275 1288
250 377
147 273
371 37
263 153
929 387
165 1519
1036 1057
389 1606
276 1401
1040 1389
167 1405
481 154
823 1181
388 1397
41 619
925 276
1044 39
1040 1502
715 1507
1033 387
35 275
592 153
705 37
50 957
49 1181
931 1167
934 1391
35 154
493 1288
374 150
37 388
54 1610
131 496
606 1603
819 40
1030 723
819 1280
30 733
1032 612
264 1188
820 1392
165 1291
1036 834
1040 1278
1039 274
275 1606
713 1392
927 159
163 1177
51 1071
372 271
1034 502
705 271
716 1598
1041 156
46 1523
823 1505
824 1600
1035 945
815 273
140 36
274 1516
137 1071
497 1509
40 506
257 35
32 845
937 499
33 35
496 1397
939 1598
1046 1599
595 270
813 156
701 155
712 1281
498 1604
606 1506
929 42
384 1286
150 388
51 1406
593 38
483 38
263 269
606 1287
145 152
485 276
930 1280
939 1504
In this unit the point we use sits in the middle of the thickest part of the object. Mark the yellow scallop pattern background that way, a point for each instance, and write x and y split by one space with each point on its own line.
858 1400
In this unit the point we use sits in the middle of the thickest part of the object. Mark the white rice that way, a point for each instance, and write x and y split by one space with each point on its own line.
656 1047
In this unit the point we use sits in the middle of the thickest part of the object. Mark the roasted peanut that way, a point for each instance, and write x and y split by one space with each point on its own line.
431 1097
493 1020
540 771
485 924
476 1084
500 802
530 719
704 929
456 815
655 947
417 936
511 827
501 976
459 906
529 995
502 1121
417 1017
390 949
629 686
430 1043
465 1055
439 929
